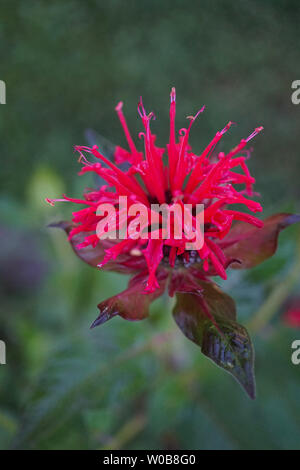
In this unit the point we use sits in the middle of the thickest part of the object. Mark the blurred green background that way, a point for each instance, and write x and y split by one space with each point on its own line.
139 385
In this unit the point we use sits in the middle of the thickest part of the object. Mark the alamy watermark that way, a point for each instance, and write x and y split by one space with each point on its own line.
2 92
2 352
295 358
295 96
177 221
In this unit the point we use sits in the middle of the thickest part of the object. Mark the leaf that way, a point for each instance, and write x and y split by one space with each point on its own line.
208 320
250 245
131 304
233 352
125 262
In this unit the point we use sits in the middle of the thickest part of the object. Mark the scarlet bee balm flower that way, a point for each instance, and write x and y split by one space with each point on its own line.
232 238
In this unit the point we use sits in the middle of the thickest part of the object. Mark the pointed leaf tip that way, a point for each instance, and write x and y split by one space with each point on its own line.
208 319
131 304
290 220
63 224
253 245
104 316
233 352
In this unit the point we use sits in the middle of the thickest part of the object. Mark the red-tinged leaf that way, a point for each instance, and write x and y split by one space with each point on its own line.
250 245
131 304
184 283
125 262
223 340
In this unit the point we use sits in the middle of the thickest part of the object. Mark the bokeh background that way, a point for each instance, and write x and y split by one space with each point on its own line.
139 385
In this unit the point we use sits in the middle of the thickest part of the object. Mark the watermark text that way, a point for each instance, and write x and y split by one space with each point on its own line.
2 352
176 221
2 92
295 97
295 358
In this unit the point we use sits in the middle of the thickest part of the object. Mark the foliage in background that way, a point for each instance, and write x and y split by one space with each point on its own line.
66 63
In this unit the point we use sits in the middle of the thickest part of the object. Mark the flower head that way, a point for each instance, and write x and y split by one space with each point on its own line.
169 176
187 178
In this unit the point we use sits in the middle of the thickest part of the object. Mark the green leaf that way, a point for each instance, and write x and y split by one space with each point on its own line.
208 319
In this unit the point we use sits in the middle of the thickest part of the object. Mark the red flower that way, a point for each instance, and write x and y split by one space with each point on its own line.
177 175
291 316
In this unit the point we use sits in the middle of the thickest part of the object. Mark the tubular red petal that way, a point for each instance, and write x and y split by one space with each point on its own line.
123 122
180 172
172 152
196 173
153 254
